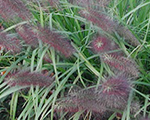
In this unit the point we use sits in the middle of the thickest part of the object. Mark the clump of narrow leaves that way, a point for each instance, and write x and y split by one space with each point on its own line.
121 63
9 9
112 94
9 43
26 78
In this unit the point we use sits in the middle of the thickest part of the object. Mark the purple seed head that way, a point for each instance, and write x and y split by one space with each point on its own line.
29 34
67 104
108 25
10 43
53 3
25 78
127 34
116 86
90 3
10 9
102 44
84 99
144 118
115 92
135 107
6 12
56 41
99 19
121 63
112 94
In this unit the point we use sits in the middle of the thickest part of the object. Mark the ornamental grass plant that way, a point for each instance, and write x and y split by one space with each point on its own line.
74 59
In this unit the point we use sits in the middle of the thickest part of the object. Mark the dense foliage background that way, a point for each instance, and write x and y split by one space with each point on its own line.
50 67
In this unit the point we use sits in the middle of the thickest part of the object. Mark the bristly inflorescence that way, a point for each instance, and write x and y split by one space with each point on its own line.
121 63
29 34
102 44
90 3
99 19
53 3
109 25
115 92
26 78
107 96
112 94
56 41
127 34
83 100
144 118
9 9
10 43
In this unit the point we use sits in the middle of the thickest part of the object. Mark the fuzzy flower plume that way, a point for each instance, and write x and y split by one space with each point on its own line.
127 34
90 3
28 34
102 44
53 3
109 25
144 118
10 43
56 41
84 99
99 19
25 78
11 8
135 107
115 92
111 94
121 63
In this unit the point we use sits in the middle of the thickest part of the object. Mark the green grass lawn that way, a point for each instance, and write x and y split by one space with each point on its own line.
75 60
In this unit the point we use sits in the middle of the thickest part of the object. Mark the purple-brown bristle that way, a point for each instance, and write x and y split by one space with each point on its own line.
112 94
144 118
115 92
90 3
26 78
56 41
28 34
53 3
10 43
10 9
134 107
121 63
5 11
127 34
109 25
67 104
102 44
85 100
100 19
116 86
